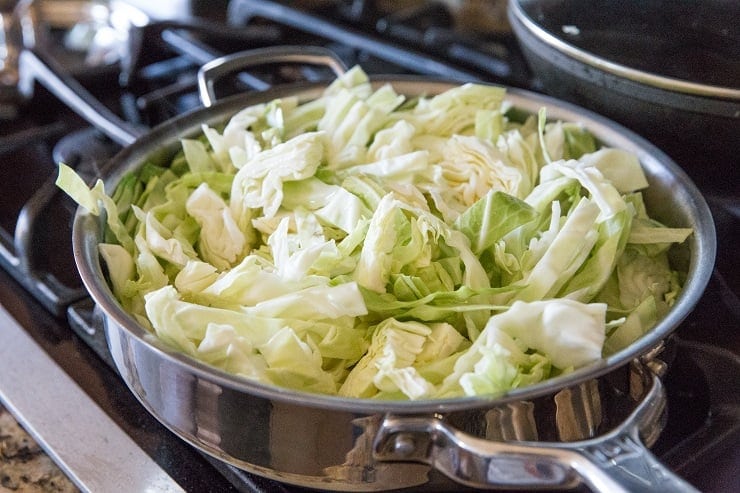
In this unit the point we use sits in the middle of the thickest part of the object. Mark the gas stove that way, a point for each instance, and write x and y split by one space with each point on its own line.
138 66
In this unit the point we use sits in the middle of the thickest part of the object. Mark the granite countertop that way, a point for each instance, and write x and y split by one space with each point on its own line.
24 466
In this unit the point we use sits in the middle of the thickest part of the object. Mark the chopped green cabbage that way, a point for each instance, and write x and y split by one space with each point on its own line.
369 246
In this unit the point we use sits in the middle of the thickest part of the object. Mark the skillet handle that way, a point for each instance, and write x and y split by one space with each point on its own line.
615 462
215 69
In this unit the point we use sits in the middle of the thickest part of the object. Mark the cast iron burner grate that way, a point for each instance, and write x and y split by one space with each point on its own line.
421 40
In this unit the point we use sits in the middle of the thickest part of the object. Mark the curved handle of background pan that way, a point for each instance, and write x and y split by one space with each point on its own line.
615 462
209 73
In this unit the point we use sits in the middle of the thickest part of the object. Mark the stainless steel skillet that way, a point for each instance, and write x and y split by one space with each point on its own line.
555 434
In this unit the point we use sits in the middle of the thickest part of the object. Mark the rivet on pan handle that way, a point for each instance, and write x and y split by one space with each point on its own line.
229 64
615 462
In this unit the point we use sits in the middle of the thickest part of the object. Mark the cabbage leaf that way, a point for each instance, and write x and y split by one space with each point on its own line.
366 244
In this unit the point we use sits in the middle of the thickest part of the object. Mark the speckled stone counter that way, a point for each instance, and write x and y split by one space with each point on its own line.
24 467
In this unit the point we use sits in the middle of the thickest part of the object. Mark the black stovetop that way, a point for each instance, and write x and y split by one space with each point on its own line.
43 292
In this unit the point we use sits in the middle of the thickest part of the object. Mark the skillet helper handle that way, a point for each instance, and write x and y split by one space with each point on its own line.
229 64
615 462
